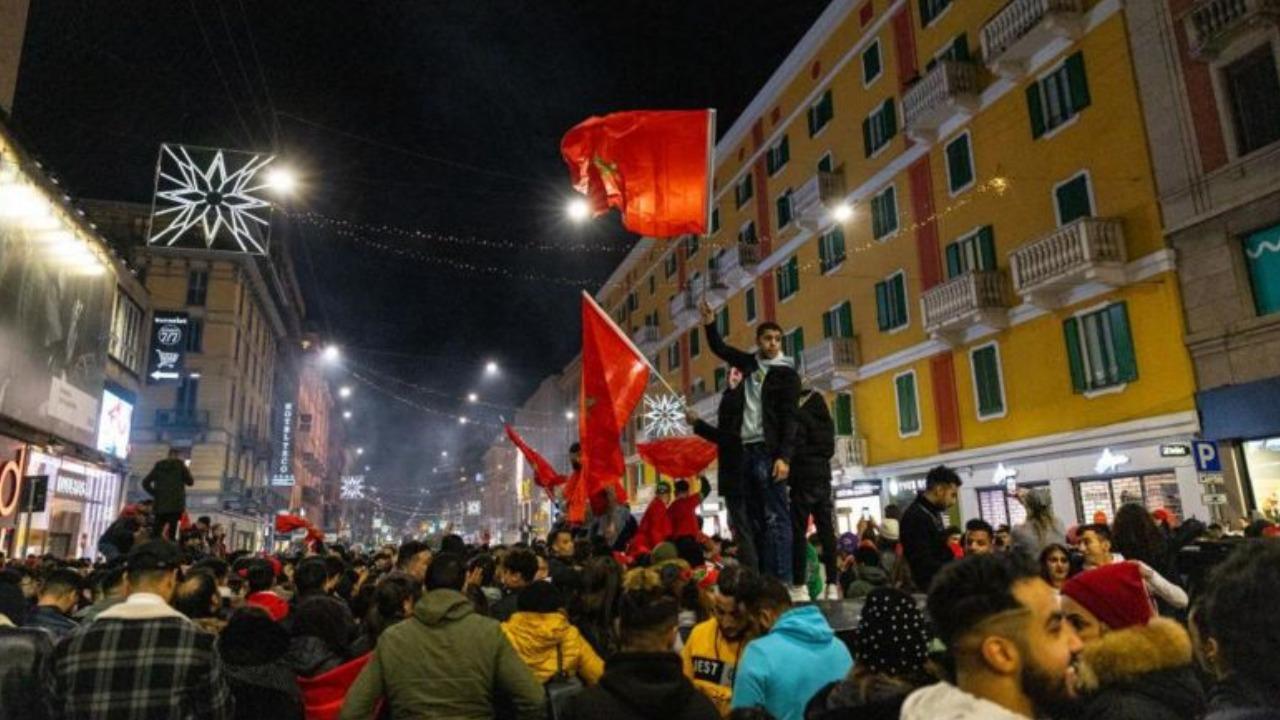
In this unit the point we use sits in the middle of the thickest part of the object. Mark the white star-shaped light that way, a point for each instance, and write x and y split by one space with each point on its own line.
352 488
210 201
663 415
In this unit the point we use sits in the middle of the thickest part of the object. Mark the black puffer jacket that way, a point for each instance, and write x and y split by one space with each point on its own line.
815 446
1141 673
779 396
725 434
642 686
253 649
26 682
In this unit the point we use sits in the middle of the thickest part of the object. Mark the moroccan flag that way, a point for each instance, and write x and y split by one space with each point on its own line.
679 457
543 473
614 376
653 165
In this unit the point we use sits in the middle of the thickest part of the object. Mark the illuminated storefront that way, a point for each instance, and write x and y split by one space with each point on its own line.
82 502
857 501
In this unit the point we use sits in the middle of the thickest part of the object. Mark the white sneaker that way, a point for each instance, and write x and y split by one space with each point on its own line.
832 592
800 594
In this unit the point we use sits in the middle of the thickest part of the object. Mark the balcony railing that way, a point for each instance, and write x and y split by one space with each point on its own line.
646 338
706 406
1213 24
812 202
182 419
974 299
1024 27
832 364
947 91
733 268
684 306
851 451
1086 250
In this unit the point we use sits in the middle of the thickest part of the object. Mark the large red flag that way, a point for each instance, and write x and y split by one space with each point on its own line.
679 457
543 473
653 165
614 376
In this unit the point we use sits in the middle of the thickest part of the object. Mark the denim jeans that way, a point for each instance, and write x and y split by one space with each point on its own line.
740 526
770 512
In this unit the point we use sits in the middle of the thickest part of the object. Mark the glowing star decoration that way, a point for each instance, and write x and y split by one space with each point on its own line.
200 201
663 415
352 488
1109 461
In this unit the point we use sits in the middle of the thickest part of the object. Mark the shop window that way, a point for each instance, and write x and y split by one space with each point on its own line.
959 154
871 65
996 507
879 127
784 209
908 404
1253 91
788 278
1262 255
1100 349
831 249
987 382
1058 96
197 287
891 302
973 252
743 191
843 413
884 213
1101 497
777 156
820 113
838 321
749 299
1073 199
1262 462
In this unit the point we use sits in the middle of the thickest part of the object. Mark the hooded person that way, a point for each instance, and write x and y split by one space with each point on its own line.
253 648
1135 665
545 640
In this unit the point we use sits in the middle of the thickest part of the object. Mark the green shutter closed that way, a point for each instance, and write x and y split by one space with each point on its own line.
986 373
846 319
987 248
954 267
844 414
824 259
866 137
824 165
1071 333
908 422
828 323
784 210
1035 109
900 300
784 152
797 342
1122 342
813 122
882 305
1073 200
793 272
889 119
1079 84
959 163
960 48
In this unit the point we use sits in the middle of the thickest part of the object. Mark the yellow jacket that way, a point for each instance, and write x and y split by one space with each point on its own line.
535 637
711 662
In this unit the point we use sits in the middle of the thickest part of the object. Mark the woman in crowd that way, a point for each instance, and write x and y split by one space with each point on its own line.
1055 565
546 642
1041 528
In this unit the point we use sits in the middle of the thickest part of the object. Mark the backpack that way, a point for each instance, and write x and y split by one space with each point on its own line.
560 689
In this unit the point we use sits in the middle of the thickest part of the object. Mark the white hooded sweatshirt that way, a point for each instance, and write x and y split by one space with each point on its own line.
944 701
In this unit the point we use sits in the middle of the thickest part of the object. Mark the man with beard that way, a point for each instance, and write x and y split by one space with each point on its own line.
711 654
1014 651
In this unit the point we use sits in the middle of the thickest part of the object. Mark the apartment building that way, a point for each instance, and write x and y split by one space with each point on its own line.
950 209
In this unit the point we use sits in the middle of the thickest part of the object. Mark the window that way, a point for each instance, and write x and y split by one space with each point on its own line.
743 191
831 249
793 347
715 221
633 301
1253 92
653 284
838 321
197 287
891 302
996 507
988 385
908 406
722 321
784 209
825 163
879 127
1262 256
670 265
673 355
195 335
871 67
187 396
777 156
721 376
1106 495
957 50
125 342
959 164
931 9
749 299
1073 199
747 235
695 342
820 113
304 422
1058 96
843 414
691 246
1100 349
973 252
884 213
788 278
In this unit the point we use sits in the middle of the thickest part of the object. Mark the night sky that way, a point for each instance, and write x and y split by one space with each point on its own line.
439 118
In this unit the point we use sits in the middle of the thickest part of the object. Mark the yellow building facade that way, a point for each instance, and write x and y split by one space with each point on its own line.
949 208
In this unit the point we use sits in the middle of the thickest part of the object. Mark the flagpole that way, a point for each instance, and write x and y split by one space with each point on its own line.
710 188
645 358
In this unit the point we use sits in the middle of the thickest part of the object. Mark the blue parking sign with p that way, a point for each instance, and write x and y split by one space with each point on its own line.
1207 458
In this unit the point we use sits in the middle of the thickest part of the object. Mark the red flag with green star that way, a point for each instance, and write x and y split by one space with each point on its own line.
653 165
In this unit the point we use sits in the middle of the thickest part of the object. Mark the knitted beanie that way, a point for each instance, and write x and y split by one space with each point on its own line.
1114 593
891 637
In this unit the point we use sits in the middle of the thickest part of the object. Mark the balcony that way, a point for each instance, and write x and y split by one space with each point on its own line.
832 364
734 267
851 451
812 202
646 338
684 306
182 420
1024 28
706 404
1083 251
973 300
1213 24
948 91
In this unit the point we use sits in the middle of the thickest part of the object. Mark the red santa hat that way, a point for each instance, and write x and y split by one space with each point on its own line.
1114 593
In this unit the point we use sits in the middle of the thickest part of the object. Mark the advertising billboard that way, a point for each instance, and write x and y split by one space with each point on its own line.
114 423
168 346
55 298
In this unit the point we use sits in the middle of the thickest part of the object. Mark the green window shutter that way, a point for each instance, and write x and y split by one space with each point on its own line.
908 421
1122 341
926 12
1073 200
871 62
877 221
960 48
1078 82
986 372
827 325
1035 109
824 165
882 305
987 247
824 260
900 300
749 299
866 137
784 151
954 267
1071 332
720 377
889 119
837 244
797 342
793 272
784 210
846 319
813 120
959 163
890 210
844 414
